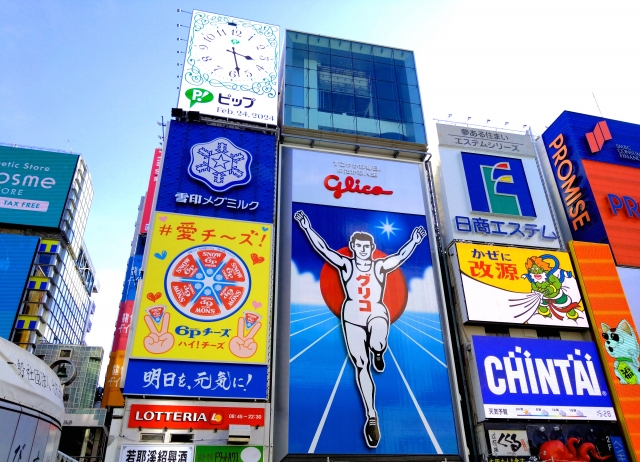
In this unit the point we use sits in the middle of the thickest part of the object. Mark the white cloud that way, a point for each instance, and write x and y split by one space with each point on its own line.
305 289
423 296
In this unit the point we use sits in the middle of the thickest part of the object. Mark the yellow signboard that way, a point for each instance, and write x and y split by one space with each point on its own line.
519 286
205 293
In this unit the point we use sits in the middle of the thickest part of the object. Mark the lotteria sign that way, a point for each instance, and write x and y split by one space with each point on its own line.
596 165
523 378
197 417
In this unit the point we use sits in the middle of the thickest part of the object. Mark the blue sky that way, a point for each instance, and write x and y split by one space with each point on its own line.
95 76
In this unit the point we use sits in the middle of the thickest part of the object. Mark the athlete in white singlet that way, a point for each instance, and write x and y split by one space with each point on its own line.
365 318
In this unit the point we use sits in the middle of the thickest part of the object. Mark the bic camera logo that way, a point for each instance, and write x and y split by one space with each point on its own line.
598 136
497 185
220 164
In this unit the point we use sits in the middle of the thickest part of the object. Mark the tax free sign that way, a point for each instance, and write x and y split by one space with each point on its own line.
522 378
34 185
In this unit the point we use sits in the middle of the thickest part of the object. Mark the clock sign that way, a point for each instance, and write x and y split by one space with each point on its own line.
231 68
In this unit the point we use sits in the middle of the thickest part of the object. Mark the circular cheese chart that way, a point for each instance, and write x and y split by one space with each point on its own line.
207 283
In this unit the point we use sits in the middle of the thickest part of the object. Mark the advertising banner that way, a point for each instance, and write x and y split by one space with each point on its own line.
491 189
196 417
158 452
508 442
596 167
231 68
34 185
151 189
206 291
229 453
517 286
615 330
368 359
16 257
112 395
197 380
218 172
522 378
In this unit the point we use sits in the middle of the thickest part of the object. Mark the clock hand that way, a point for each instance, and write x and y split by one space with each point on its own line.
235 59
247 57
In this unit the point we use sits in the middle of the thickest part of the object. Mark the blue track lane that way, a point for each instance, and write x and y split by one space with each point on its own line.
314 375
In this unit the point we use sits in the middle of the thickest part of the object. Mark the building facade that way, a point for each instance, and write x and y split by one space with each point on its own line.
49 203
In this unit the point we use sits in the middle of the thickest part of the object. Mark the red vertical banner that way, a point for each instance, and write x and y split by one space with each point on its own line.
148 201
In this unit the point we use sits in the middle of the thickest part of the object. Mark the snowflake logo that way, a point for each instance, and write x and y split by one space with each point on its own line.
220 164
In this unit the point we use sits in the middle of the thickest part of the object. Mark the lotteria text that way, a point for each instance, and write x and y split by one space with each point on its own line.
168 416
333 183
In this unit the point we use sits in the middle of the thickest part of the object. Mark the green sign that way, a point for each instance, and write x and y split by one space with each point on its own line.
228 454
34 186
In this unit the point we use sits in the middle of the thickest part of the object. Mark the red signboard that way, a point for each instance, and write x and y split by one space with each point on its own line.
151 189
197 417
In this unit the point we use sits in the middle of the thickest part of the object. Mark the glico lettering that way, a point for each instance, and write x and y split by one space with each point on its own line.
564 171
351 185
524 375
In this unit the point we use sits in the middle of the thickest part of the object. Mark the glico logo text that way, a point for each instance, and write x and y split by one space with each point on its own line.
497 185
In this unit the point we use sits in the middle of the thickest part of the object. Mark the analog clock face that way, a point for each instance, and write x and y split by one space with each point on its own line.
231 68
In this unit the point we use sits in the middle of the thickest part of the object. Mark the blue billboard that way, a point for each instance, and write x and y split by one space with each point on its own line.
367 367
523 378
16 257
218 172
195 379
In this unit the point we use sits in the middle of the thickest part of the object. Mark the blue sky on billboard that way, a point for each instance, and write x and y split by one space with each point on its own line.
94 77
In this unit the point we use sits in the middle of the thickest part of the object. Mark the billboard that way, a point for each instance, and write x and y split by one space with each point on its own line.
159 452
615 330
34 186
229 453
523 378
367 358
197 417
218 172
16 257
231 68
491 189
206 291
596 167
517 286
196 379
151 189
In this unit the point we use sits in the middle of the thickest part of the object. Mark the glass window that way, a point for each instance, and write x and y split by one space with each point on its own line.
409 94
297 40
342 83
363 68
386 90
341 62
415 133
361 51
296 57
411 113
368 127
403 58
295 96
344 123
318 58
366 107
320 120
389 110
340 47
324 101
391 130
295 116
385 72
294 76
383 55
319 44
343 104
406 75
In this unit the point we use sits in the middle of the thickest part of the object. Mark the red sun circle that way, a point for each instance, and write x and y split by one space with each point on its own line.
395 295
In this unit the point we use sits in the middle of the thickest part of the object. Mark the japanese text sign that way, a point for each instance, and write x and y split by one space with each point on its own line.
34 185
229 453
198 417
508 442
218 172
197 380
523 378
459 137
494 196
151 189
157 452
206 291
518 286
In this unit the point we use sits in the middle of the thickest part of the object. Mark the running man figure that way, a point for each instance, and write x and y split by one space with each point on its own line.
365 318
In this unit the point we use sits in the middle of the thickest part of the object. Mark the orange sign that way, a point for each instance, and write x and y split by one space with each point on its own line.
616 189
615 331
112 395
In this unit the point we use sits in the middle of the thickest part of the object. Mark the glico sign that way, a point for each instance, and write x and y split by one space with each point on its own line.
596 165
